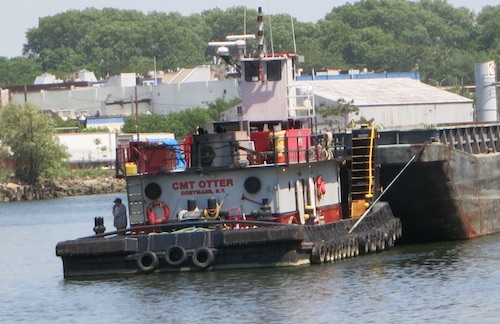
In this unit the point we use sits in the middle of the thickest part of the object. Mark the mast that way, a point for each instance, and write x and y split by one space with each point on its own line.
260 35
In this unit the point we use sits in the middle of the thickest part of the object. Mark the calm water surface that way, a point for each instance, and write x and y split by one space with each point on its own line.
454 282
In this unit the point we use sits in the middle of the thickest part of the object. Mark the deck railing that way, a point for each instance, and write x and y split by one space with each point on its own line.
273 149
300 101
473 139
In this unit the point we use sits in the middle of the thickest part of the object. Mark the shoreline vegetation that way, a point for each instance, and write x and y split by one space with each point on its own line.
77 185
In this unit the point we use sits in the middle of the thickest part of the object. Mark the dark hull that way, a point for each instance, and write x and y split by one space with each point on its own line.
445 194
212 248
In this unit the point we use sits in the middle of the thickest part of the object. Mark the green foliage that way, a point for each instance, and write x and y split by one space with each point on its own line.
180 123
338 114
399 35
430 36
62 62
111 41
60 125
5 173
70 123
29 133
18 71
99 129
488 37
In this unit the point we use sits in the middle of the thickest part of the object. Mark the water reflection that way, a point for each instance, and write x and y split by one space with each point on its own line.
414 283
446 282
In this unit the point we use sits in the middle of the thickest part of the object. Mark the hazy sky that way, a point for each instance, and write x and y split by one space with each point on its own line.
17 16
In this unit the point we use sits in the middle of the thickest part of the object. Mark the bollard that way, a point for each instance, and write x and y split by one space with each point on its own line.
99 225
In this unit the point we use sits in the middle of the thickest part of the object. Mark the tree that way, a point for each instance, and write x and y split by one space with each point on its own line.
338 115
97 142
30 135
180 123
18 71
429 36
63 62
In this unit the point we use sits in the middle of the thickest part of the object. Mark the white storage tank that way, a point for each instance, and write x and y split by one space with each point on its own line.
486 97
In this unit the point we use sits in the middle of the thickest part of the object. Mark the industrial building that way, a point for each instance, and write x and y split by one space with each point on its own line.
392 100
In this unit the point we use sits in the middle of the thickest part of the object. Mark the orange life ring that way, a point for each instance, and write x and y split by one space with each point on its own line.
320 186
151 213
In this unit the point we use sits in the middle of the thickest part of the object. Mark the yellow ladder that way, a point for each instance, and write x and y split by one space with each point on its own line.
362 168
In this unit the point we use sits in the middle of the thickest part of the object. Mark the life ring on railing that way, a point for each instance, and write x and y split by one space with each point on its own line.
293 220
320 186
150 211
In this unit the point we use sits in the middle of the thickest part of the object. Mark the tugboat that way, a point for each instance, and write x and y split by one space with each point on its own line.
260 188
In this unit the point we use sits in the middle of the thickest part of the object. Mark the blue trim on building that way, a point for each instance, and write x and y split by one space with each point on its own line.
391 75
104 120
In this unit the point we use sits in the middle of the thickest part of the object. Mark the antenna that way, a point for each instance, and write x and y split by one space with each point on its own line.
293 36
235 37
222 43
270 28
271 34
240 41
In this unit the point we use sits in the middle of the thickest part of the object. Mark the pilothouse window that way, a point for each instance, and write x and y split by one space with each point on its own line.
252 71
274 70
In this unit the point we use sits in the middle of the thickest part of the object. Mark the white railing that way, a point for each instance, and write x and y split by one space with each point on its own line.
300 101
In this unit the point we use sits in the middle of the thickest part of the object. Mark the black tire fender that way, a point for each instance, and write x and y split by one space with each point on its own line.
203 257
175 255
147 261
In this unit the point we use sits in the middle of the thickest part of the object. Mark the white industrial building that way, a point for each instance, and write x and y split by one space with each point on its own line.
120 96
100 148
391 102
394 102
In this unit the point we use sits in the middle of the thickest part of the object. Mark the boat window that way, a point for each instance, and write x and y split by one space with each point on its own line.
252 71
274 70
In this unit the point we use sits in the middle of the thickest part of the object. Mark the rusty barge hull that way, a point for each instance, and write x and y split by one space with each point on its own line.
452 189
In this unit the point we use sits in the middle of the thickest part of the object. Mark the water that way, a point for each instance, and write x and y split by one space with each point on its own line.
453 282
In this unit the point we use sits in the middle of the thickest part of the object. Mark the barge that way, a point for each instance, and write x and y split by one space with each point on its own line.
261 188
451 191
451 188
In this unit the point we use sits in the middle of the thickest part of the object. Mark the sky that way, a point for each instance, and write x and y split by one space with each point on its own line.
17 16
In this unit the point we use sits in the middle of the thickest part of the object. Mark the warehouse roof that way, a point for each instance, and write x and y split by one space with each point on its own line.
375 92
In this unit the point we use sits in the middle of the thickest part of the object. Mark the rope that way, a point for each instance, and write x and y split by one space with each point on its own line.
212 213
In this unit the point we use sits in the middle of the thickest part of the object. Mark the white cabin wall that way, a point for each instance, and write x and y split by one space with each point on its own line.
269 105
285 185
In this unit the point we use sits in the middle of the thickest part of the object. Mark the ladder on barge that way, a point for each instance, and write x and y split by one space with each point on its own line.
362 169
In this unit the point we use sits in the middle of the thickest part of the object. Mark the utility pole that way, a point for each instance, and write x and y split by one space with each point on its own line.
137 114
